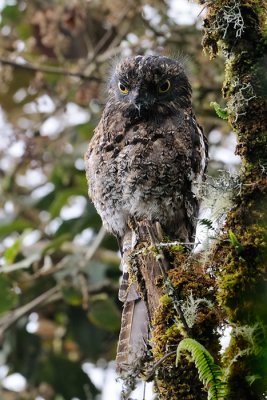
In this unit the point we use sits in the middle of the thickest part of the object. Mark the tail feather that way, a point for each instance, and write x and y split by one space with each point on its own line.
134 335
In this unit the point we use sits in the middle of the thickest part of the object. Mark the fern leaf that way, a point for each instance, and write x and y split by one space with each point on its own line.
234 242
221 112
209 373
206 222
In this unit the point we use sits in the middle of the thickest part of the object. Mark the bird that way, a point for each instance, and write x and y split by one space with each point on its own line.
145 162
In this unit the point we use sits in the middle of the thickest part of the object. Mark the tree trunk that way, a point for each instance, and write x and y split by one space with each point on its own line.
237 29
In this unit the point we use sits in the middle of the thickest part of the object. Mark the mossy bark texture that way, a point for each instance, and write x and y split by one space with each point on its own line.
192 286
180 296
181 302
238 30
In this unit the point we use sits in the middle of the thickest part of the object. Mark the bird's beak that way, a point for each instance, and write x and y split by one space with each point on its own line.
136 100
136 97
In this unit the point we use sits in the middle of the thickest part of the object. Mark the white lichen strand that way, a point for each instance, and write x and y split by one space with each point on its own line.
190 308
253 337
232 15
217 201
229 15
244 93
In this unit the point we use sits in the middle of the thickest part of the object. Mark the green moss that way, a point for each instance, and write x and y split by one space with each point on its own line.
242 272
165 300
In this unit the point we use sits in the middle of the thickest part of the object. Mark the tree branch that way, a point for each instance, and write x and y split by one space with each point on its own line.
48 70
11 317
50 296
95 245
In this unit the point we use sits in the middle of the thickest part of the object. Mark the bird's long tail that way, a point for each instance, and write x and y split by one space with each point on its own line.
134 333
133 339
141 294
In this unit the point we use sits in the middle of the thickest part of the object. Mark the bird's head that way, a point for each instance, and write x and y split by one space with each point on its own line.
147 86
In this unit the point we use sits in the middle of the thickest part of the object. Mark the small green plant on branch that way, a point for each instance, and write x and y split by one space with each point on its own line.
210 374
221 112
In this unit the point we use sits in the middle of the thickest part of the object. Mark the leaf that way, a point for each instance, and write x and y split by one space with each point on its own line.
12 251
252 378
209 373
86 130
24 31
71 226
62 198
22 264
56 243
234 242
104 313
72 296
11 13
233 238
8 298
66 377
206 222
15 226
94 341
221 112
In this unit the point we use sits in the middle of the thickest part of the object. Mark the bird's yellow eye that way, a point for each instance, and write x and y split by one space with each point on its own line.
165 86
123 88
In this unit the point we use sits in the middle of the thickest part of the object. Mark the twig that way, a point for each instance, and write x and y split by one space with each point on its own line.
11 317
48 70
26 263
108 35
202 9
96 243
157 365
50 296
171 292
163 263
44 271
84 290
54 293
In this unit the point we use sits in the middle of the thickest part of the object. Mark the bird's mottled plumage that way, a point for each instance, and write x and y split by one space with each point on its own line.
148 154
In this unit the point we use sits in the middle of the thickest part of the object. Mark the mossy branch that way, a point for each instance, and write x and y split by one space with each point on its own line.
238 30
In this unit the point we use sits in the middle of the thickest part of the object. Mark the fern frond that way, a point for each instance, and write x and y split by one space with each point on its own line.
221 112
206 222
234 242
209 373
